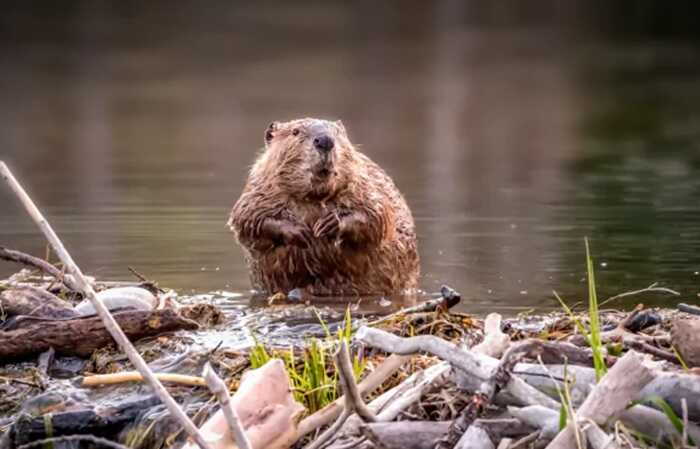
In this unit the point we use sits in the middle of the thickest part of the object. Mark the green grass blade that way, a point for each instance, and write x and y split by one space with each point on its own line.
594 328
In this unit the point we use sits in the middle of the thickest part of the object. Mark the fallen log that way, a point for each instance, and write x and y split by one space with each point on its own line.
36 302
81 336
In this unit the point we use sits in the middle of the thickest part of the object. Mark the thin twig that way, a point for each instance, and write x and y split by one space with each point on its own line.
525 441
218 388
348 382
652 288
109 321
353 400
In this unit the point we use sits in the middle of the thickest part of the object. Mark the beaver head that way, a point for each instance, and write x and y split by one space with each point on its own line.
306 158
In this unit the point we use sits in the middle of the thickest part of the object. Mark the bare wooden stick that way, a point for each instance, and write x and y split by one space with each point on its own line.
135 376
652 288
373 380
353 400
110 324
347 378
218 388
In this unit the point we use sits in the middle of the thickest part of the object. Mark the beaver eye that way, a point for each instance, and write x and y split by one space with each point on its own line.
268 136
295 132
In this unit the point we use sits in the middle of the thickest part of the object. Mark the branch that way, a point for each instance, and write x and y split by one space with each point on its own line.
652 288
12 255
218 388
110 324
469 363
353 401
374 379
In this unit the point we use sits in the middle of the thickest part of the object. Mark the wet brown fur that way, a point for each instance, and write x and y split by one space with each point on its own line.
350 233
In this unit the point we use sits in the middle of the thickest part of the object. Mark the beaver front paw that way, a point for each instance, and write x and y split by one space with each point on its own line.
285 232
328 226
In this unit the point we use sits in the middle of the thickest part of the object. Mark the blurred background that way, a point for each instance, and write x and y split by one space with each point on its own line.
514 129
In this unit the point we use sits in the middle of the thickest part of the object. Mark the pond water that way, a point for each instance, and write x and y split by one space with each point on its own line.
512 133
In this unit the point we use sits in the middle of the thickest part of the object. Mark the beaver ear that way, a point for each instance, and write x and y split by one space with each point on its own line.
269 132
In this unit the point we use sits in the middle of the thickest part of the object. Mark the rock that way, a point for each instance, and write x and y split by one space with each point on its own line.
685 337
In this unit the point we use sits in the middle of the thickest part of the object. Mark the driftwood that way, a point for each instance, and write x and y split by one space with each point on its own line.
110 324
477 367
672 387
615 390
81 336
404 434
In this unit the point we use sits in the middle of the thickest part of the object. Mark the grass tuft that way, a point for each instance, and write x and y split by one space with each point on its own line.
592 334
312 373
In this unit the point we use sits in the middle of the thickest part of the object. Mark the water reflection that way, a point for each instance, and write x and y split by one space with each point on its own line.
512 135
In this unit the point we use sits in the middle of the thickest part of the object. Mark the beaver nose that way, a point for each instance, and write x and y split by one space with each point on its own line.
324 143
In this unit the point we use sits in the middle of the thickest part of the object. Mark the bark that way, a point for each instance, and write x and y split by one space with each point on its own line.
81 336
36 302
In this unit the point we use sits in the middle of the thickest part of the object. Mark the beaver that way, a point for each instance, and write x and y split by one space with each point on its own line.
318 215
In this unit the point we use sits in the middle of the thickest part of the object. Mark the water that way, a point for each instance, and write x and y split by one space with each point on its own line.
512 132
